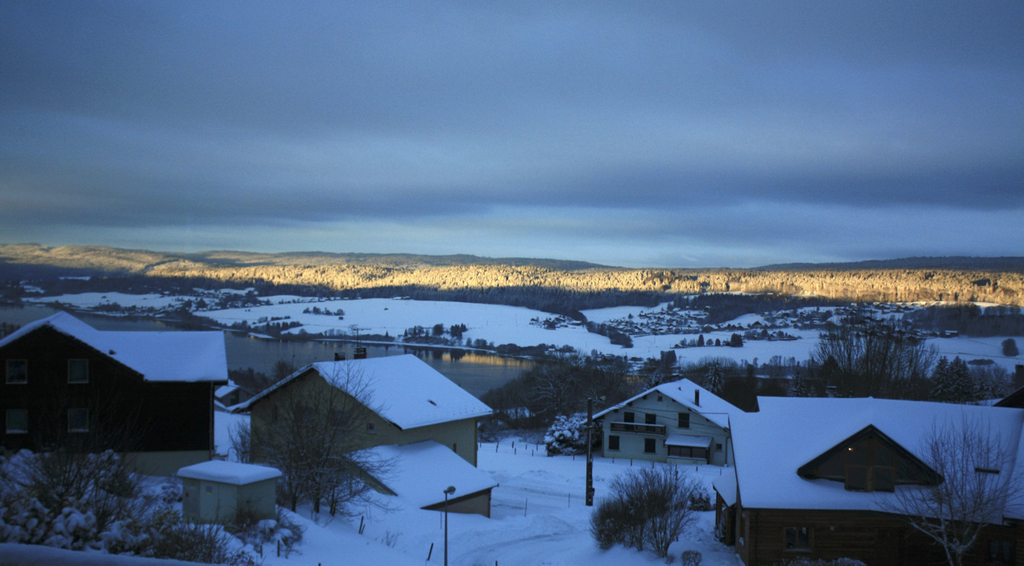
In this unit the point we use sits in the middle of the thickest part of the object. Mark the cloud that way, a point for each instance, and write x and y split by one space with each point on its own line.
446 126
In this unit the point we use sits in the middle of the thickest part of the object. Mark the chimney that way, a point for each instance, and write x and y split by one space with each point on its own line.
339 357
696 397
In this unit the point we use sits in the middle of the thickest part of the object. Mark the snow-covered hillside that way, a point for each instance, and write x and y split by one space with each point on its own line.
497 324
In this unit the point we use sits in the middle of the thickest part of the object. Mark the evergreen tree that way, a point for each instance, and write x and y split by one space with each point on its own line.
715 378
963 388
799 386
942 390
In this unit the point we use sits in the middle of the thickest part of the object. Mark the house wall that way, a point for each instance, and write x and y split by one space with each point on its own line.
631 444
259 498
167 462
125 412
879 539
459 435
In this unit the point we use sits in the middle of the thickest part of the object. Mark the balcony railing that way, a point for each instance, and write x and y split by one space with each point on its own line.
639 428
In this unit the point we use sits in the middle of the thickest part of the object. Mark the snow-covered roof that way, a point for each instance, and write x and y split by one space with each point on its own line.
190 356
420 472
225 390
403 390
712 407
232 473
688 441
725 485
772 444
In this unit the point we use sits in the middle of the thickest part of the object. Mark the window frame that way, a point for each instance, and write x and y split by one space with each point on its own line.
628 417
651 443
683 420
796 547
7 421
71 421
614 439
650 418
24 372
79 382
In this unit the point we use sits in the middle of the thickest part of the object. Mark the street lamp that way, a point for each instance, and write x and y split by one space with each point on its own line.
447 492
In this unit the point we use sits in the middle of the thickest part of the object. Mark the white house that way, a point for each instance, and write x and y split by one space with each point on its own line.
678 422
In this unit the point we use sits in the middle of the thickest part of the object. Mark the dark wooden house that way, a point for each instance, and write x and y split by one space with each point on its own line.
148 395
822 478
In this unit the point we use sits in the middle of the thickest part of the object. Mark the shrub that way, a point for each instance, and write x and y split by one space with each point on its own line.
1010 347
567 435
700 500
691 558
649 507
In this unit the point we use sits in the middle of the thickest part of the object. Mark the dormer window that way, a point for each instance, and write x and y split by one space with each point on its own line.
78 371
869 461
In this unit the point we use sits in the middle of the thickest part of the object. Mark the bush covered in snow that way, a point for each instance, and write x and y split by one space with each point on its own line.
648 508
567 435
96 503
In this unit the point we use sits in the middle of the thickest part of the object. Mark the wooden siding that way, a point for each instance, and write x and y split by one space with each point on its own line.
125 412
878 539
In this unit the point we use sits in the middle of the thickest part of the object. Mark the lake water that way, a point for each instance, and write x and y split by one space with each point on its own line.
474 372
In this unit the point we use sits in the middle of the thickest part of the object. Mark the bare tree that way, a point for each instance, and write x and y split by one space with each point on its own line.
978 482
316 435
875 358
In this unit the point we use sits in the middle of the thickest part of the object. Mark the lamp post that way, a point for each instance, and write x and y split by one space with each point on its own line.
447 492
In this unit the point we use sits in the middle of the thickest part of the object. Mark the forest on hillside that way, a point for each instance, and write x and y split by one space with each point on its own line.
533 283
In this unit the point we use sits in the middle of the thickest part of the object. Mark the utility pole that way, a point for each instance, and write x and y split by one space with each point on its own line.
590 455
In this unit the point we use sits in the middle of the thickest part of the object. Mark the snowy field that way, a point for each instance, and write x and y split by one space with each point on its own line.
512 325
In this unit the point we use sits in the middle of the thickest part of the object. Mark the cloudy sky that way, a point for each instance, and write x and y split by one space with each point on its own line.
675 134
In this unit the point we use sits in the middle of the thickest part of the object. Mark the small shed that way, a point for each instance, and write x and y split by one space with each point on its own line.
216 491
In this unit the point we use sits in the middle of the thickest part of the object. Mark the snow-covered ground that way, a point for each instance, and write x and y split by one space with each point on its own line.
499 324
538 516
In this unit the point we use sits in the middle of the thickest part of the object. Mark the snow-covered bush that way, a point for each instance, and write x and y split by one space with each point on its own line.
567 435
648 507
72 529
104 507
700 500
691 558
258 533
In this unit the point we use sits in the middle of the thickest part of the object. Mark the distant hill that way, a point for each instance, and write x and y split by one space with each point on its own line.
551 285
101 259
951 263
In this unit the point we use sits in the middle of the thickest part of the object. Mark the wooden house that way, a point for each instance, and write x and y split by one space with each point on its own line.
148 395
678 422
823 478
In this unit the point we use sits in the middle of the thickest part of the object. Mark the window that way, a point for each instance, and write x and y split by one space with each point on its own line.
613 442
688 452
870 466
78 371
78 420
798 538
650 418
17 371
659 398
17 421
650 446
1000 552
628 417
718 446
684 420
370 428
